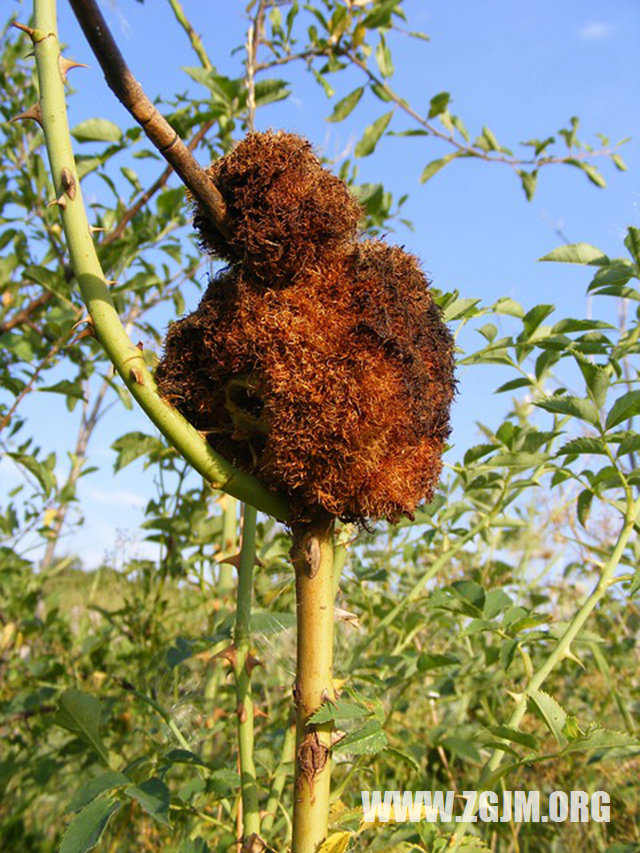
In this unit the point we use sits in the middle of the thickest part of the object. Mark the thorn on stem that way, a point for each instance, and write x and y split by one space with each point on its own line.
34 113
66 65
61 202
33 34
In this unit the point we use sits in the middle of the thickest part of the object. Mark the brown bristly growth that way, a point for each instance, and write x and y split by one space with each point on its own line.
318 362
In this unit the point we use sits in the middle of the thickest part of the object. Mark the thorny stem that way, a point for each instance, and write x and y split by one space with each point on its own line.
131 94
280 777
243 666
229 544
127 359
561 650
194 38
313 558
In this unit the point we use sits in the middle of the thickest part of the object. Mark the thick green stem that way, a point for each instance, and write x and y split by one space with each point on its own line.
229 543
243 666
127 359
313 559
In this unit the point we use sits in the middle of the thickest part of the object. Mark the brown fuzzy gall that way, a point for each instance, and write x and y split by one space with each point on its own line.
284 211
334 386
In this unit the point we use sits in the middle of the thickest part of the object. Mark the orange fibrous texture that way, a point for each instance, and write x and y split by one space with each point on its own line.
316 361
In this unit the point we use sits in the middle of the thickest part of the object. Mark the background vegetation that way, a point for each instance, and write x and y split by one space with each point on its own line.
514 591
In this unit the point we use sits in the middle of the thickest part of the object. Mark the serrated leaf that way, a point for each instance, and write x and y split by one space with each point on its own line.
79 713
584 444
341 709
133 445
346 105
153 795
372 135
367 740
435 166
97 130
85 830
603 739
584 410
106 781
623 409
577 253
551 712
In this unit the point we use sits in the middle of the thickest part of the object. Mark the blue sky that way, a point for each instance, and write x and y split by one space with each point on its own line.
522 69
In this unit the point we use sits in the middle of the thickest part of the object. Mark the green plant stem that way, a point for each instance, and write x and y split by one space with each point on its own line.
229 543
243 666
194 38
280 777
313 559
127 359
562 648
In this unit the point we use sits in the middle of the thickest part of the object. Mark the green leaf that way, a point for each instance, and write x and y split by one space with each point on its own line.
270 91
513 384
133 445
619 163
462 747
372 135
346 105
64 386
551 712
579 408
594 175
367 740
438 104
85 830
491 141
623 409
514 736
434 661
383 58
153 795
506 305
97 130
529 182
43 474
632 242
341 709
106 781
577 253
434 167
79 713
471 592
584 444
381 15
605 740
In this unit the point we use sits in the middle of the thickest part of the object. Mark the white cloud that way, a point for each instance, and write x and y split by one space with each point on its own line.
596 31
116 497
